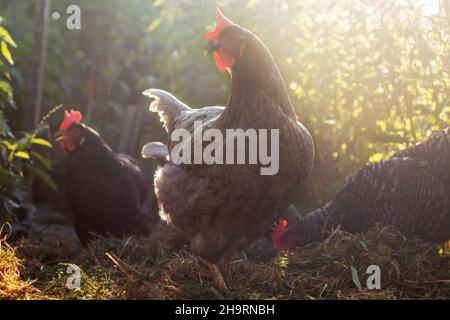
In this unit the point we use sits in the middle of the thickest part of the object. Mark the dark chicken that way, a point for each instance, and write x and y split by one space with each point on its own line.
107 192
222 208
410 191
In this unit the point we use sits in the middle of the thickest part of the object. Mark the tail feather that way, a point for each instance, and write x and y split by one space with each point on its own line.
167 105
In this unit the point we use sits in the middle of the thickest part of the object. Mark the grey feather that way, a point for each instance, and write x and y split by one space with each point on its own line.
168 107
155 150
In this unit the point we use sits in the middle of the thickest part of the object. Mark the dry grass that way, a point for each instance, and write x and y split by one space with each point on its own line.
161 268
12 286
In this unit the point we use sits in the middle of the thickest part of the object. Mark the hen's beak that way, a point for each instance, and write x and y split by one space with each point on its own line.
211 47
59 136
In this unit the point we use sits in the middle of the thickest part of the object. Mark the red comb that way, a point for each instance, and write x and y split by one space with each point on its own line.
221 23
70 117
277 232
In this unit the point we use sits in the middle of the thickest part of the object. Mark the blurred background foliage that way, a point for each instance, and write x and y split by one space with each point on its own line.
366 77
18 152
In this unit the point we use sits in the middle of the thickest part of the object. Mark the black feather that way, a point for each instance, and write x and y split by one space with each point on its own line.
410 191
107 192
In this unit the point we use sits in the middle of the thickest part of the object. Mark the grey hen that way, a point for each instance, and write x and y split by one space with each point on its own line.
223 207
410 191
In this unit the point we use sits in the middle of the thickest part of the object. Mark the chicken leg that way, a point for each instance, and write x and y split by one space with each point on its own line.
217 276
224 265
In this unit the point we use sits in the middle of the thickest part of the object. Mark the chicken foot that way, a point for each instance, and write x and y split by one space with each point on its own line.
225 265
217 276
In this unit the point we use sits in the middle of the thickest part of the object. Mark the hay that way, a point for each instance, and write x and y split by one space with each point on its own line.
410 268
11 284
163 268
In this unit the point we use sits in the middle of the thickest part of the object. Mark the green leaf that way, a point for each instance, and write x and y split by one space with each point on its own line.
12 204
4 34
41 142
397 268
7 89
44 176
47 163
22 154
8 145
4 128
364 245
158 3
5 176
355 278
6 53
154 25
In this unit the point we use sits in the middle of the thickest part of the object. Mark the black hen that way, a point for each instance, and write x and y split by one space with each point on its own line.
107 192
410 191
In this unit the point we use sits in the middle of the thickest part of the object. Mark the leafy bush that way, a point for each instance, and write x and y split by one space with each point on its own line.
370 77
366 77
16 153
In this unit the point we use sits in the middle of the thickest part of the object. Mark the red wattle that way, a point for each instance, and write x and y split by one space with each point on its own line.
67 145
223 60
